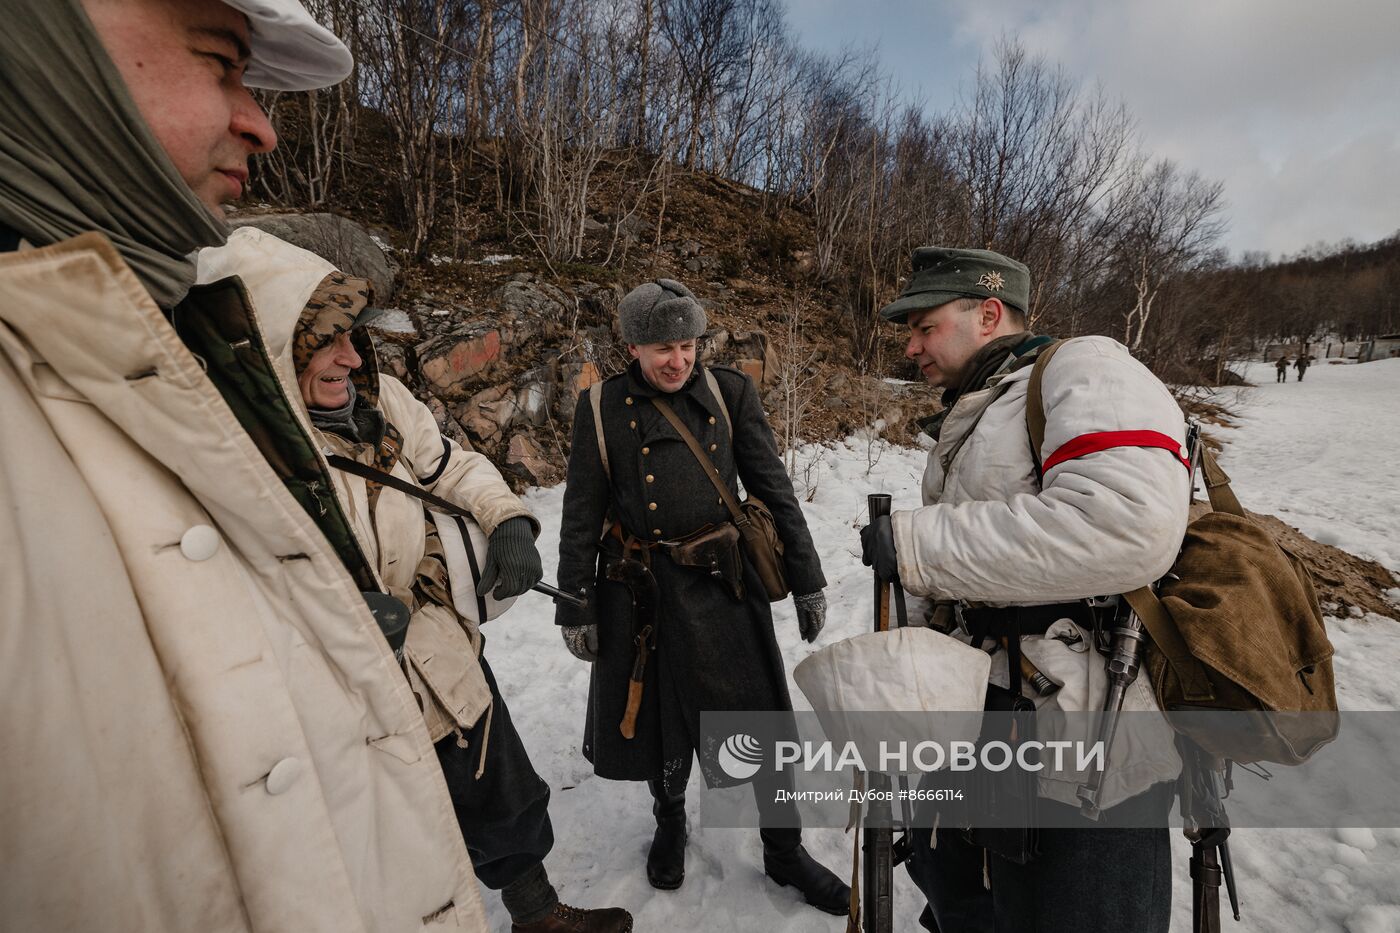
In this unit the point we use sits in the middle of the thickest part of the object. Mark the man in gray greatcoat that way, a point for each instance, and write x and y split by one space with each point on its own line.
714 650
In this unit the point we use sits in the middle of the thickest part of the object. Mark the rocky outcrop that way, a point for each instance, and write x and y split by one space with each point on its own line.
504 375
338 239
526 460
459 359
753 353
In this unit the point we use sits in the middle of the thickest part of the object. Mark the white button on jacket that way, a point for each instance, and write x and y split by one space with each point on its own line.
283 775
199 543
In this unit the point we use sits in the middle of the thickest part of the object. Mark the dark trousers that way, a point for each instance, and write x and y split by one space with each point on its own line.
1282 376
504 814
1083 880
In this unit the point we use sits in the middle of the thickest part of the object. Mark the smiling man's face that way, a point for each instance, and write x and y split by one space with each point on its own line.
324 383
183 63
667 366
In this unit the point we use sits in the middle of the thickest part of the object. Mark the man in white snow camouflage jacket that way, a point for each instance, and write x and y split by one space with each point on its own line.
1100 509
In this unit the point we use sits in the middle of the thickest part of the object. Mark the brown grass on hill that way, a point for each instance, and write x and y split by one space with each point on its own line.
1343 580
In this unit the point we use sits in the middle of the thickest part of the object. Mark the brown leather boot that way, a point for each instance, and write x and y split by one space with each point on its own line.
566 919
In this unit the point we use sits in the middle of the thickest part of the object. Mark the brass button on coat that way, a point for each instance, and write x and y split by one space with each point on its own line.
629 400
714 447
645 451
656 531
712 419
652 506
631 424
650 478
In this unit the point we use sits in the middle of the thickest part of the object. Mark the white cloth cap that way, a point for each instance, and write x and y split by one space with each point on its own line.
291 51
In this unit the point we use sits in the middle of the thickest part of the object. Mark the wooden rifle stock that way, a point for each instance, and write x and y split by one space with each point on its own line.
878 832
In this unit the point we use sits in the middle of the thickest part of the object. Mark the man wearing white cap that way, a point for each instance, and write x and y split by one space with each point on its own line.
204 727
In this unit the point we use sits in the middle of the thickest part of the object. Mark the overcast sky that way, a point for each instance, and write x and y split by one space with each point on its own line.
1294 105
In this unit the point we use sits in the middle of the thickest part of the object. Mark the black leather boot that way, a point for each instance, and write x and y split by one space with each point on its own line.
666 860
787 862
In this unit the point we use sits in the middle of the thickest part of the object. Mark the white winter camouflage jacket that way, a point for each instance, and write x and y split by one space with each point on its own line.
440 649
203 729
1110 518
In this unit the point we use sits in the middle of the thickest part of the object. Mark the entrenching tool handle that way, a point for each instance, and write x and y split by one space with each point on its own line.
634 703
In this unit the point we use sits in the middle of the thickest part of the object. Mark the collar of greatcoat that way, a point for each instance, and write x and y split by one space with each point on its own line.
695 389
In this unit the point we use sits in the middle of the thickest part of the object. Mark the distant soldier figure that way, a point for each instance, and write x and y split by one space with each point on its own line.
1282 367
1302 365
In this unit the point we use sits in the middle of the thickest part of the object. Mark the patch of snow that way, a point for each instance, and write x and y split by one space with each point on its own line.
495 259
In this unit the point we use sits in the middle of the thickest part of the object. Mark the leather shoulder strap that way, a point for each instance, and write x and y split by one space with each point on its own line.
595 399
355 467
1035 401
705 462
713 384
1167 637
1222 497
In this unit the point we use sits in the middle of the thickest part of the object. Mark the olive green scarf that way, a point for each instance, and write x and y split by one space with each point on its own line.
76 156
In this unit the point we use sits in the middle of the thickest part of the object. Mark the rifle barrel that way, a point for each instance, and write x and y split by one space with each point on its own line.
578 601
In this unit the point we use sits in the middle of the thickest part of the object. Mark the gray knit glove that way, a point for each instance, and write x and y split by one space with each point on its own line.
512 562
581 640
811 614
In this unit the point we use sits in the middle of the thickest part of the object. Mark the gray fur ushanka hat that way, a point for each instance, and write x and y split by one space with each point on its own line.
660 312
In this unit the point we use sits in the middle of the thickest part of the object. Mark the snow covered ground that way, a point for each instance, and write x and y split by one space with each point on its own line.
1322 455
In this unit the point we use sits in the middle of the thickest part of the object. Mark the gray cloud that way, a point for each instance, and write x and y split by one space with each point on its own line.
1291 104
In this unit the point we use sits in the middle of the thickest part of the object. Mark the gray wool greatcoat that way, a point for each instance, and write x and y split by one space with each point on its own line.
713 652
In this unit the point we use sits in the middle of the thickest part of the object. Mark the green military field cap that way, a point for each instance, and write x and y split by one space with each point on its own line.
942 275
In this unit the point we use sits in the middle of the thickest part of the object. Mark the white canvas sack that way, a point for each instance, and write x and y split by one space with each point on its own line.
464 547
909 675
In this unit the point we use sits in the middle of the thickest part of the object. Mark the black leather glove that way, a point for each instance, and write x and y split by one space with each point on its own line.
877 548
581 640
811 614
512 562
